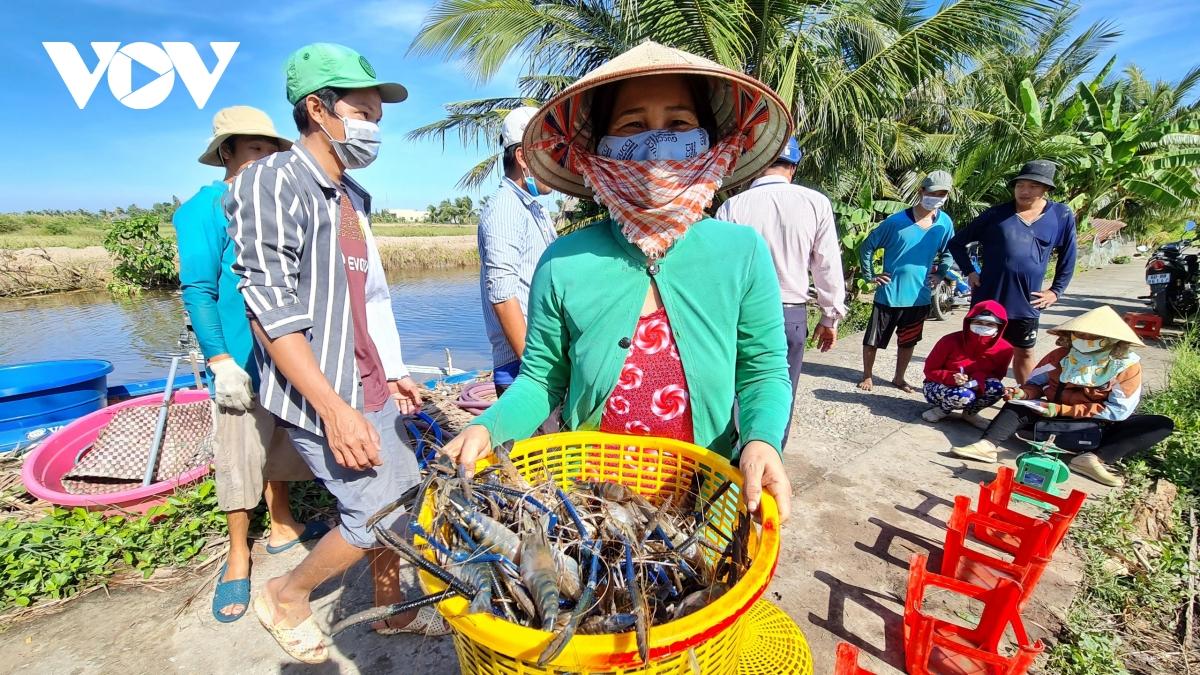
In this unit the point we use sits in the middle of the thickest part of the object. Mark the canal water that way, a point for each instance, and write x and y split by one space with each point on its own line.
435 310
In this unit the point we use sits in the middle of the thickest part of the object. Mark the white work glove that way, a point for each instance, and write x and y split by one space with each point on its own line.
232 385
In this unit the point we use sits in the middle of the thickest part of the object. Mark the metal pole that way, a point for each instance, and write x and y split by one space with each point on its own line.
194 357
156 445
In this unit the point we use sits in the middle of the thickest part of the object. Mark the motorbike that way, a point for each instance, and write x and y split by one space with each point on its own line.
952 290
1174 279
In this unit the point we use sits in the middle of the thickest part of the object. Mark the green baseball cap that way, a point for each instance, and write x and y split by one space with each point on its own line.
323 64
937 181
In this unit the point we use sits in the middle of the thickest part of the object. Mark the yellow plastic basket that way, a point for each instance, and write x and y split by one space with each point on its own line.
710 639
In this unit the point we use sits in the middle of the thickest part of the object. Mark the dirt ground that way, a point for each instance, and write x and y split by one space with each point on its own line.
96 255
872 485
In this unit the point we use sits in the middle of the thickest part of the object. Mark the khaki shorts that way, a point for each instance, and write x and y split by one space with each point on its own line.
249 450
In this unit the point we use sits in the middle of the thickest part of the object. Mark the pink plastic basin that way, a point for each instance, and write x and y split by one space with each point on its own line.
44 467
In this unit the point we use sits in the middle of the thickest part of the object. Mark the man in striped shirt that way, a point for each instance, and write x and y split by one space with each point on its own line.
514 230
329 353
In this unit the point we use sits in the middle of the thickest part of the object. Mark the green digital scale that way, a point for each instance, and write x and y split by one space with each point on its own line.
1041 469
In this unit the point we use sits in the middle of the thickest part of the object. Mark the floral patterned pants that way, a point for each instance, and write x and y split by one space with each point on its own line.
969 401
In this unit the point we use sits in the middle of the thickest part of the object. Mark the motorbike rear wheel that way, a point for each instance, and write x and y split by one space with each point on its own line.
942 300
1163 309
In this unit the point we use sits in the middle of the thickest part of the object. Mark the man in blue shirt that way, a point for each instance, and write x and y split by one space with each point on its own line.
249 449
1016 241
514 230
913 242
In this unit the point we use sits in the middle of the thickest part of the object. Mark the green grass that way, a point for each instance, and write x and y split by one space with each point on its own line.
421 230
19 230
1123 623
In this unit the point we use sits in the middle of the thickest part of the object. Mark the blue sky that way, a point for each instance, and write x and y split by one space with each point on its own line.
57 156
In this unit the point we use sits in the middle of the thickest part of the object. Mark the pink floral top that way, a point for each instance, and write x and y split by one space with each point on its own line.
651 396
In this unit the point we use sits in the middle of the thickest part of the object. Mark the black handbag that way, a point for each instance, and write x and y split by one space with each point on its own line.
1080 435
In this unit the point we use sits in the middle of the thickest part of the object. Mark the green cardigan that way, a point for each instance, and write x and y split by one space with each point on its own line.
719 288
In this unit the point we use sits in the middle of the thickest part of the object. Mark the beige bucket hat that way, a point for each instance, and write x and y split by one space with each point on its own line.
239 120
1102 321
651 58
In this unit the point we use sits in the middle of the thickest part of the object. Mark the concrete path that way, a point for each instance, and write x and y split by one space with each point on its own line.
873 484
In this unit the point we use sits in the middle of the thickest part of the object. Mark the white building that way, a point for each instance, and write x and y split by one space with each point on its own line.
410 215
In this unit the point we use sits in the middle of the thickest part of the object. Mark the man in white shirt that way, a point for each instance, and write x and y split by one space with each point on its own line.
797 224
514 231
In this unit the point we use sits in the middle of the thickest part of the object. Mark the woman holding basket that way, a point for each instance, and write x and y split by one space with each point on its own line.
656 319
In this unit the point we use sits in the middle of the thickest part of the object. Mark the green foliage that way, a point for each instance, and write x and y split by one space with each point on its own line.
460 211
849 69
1178 457
882 92
1120 260
70 549
145 259
855 220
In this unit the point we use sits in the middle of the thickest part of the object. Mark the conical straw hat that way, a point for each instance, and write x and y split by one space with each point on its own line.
651 58
1102 321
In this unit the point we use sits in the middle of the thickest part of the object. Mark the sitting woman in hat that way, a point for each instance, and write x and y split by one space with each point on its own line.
653 321
965 370
1092 375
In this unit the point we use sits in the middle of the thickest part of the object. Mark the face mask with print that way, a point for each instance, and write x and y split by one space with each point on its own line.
361 146
657 144
932 203
984 329
1088 346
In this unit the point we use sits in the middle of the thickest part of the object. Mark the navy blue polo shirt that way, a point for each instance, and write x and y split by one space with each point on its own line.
1014 254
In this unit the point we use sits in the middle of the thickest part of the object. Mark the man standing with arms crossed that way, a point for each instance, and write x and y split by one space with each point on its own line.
1016 240
797 224
913 241
329 352
514 230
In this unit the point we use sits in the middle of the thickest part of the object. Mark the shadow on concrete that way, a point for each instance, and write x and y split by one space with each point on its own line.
884 605
818 369
967 472
900 409
909 541
924 510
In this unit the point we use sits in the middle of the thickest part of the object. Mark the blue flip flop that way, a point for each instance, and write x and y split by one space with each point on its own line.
313 529
236 592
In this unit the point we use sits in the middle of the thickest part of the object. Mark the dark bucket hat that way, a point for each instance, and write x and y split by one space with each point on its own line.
1038 171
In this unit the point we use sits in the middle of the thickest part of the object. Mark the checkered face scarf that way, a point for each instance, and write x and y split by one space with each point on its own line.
656 201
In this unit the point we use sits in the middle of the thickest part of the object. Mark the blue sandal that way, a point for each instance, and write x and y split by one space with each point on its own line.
236 592
313 529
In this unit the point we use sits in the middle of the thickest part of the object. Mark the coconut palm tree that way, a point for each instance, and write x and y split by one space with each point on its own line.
846 67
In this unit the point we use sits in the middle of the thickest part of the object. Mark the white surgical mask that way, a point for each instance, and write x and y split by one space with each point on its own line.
654 144
1088 346
361 146
984 329
932 203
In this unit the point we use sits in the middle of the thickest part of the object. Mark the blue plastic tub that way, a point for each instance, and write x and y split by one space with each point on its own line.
38 398
128 390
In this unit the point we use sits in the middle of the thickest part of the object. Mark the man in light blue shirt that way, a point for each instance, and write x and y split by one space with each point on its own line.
250 452
514 230
914 241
